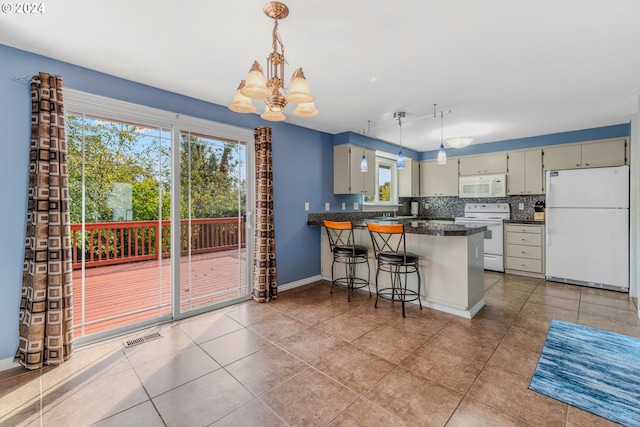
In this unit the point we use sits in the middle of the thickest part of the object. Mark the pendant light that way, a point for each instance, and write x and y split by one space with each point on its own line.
400 162
442 155
364 167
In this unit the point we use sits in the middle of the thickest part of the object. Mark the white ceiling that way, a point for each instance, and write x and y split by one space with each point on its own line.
504 68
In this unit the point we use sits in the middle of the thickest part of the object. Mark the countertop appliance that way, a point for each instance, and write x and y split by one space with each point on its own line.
491 215
483 186
587 227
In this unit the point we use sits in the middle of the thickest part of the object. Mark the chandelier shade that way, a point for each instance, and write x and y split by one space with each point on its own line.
255 85
306 109
271 88
241 103
299 89
272 116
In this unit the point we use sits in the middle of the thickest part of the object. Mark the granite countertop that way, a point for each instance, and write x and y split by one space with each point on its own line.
412 225
524 221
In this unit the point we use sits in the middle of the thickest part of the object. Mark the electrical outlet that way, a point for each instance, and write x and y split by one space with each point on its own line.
426 205
344 206
306 206
355 206
327 207
521 206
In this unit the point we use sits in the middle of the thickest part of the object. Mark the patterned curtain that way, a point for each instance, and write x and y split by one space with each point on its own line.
46 312
265 286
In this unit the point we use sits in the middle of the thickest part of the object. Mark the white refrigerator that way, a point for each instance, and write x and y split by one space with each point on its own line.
587 227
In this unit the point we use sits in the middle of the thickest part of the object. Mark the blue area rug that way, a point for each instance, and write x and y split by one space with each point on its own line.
591 369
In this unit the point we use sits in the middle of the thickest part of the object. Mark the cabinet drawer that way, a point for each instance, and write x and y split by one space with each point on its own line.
528 239
522 251
519 228
524 264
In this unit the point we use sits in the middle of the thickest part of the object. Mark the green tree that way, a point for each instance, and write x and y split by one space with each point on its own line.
210 185
102 154
384 193
125 173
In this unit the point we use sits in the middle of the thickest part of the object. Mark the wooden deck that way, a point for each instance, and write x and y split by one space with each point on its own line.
123 294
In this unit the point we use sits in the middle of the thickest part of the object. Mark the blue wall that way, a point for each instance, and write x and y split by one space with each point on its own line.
302 171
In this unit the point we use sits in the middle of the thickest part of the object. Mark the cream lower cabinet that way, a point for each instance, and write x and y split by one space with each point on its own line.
524 249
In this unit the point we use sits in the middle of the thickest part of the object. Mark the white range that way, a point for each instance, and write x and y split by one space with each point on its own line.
491 215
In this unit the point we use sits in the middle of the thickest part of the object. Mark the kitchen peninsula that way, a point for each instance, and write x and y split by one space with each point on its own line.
451 259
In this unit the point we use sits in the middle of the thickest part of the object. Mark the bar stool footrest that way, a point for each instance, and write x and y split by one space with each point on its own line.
402 295
353 283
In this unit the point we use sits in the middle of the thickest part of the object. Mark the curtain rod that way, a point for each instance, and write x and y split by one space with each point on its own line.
25 79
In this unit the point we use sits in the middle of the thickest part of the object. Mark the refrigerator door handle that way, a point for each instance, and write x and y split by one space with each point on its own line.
547 226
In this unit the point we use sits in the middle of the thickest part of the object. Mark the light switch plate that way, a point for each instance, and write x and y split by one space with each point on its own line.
521 206
355 206
327 207
306 206
344 206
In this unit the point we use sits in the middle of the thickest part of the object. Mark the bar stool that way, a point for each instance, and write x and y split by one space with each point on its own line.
346 252
390 250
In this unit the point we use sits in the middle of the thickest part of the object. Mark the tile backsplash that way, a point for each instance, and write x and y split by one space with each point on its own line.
452 207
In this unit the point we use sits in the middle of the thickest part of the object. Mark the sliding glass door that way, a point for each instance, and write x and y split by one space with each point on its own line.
158 205
213 209
119 185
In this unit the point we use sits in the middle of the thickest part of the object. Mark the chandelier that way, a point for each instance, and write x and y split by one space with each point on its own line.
271 89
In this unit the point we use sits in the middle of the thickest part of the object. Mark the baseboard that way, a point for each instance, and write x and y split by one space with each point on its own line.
8 363
299 283
467 314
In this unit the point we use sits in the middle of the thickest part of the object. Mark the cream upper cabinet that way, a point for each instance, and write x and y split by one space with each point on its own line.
429 178
486 163
409 179
533 175
525 172
448 177
563 157
609 152
605 153
439 180
347 178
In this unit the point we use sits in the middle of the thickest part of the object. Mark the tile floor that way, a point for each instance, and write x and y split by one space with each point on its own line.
312 359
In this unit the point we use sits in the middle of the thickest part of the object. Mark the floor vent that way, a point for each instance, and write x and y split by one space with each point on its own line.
143 339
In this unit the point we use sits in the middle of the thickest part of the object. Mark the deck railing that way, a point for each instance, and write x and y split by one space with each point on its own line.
109 243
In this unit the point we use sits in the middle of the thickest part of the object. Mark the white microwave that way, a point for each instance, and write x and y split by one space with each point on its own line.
483 186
